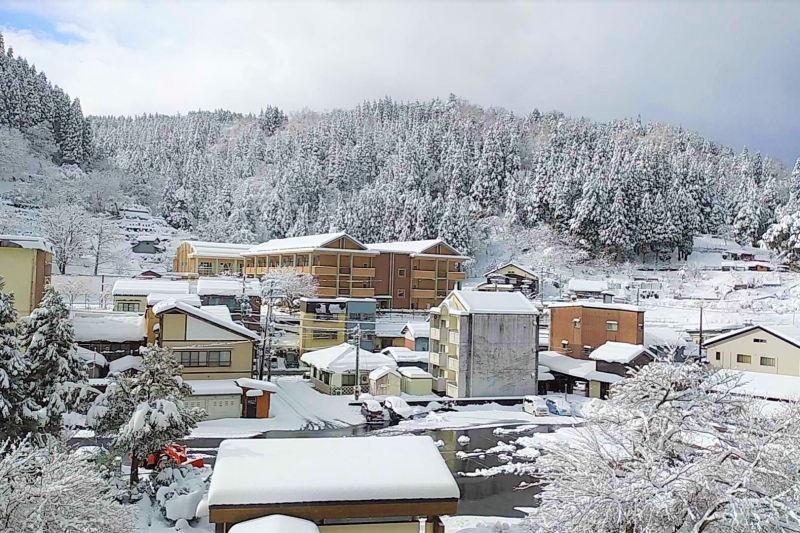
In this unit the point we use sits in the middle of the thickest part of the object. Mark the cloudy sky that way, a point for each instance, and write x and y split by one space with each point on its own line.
729 70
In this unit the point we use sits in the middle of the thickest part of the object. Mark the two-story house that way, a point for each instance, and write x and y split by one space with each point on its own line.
25 266
762 349
579 327
510 277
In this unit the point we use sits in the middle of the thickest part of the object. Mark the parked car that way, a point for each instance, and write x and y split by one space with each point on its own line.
535 405
580 388
372 411
398 408
558 406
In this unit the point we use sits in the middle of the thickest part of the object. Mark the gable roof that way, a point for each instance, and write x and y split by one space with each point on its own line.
790 334
221 250
26 241
496 303
144 287
619 352
511 264
342 358
378 373
402 354
304 243
413 247
204 314
417 330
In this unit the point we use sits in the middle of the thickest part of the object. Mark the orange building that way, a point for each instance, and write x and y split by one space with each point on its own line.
577 328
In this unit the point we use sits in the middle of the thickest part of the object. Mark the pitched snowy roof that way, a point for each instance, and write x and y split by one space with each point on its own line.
663 336
212 317
790 334
110 326
413 247
342 358
378 373
91 357
220 250
295 471
768 386
511 264
417 330
414 372
220 311
144 287
305 243
257 384
495 303
404 355
227 287
389 329
275 523
156 297
26 241
579 368
598 305
126 362
619 352
211 387
587 285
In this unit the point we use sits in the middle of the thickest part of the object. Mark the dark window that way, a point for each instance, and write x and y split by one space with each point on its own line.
587 350
742 358
128 306
718 356
401 272
348 379
761 341
204 358
767 361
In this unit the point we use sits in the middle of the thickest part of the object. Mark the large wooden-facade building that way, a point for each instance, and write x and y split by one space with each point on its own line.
209 258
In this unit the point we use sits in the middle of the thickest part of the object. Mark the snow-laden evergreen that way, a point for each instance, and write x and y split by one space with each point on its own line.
58 377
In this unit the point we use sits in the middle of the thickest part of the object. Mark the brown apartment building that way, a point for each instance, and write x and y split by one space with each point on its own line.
579 327
416 274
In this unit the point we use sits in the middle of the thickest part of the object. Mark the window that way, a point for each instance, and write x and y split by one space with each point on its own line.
323 335
761 341
204 358
401 272
205 267
742 358
128 306
587 350
401 293
718 356
767 361
348 380
576 323
326 377
612 326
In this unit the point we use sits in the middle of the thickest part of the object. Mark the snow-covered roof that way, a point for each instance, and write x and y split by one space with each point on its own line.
389 329
249 383
90 356
212 387
275 523
663 336
293 471
404 355
26 241
126 362
414 372
220 311
227 287
342 358
768 386
147 237
417 330
790 334
214 318
598 305
587 285
544 374
108 326
220 250
305 243
144 287
495 303
579 368
412 247
378 373
156 297
511 264
619 352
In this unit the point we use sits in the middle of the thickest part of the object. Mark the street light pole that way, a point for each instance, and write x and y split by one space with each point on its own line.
357 388
266 338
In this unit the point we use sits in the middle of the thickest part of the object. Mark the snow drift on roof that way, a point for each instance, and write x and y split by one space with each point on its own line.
286 471
378 373
25 241
143 287
91 357
579 368
414 372
663 336
248 383
222 250
418 330
511 303
403 355
227 287
307 242
275 523
768 386
127 362
157 297
598 305
619 352
111 327
211 387
220 311
587 285
342 358
169 305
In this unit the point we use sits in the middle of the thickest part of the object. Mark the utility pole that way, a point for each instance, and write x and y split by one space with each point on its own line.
701 330
266 338
357 388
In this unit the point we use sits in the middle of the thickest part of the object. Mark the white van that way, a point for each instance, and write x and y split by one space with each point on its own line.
534 405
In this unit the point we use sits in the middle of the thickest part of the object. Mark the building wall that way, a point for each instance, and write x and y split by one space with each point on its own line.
18 269
420 344
119 302
388 385
592 331
416 386
786 355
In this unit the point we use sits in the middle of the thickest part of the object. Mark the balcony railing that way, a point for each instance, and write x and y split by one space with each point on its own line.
324 270
452 390
438 359
423 274
362 272
452 364
435 334
456 275
326 291
423 293
454 337
362 292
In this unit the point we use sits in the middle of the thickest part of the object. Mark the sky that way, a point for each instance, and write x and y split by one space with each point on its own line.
728 70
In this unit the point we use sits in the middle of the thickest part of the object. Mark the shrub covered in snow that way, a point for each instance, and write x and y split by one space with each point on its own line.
178 490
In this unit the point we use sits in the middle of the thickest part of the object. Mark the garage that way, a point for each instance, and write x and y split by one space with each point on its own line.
220 398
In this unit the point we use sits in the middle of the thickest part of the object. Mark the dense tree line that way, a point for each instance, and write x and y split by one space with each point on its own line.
43 112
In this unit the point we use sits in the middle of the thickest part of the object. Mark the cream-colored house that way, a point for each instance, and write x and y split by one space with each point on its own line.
25 266
130 295
333 370
765 349
204 340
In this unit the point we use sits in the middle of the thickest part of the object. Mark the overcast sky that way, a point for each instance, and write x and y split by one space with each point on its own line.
729 70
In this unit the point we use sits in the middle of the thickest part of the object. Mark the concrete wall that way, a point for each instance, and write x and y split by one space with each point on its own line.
787 356
417 386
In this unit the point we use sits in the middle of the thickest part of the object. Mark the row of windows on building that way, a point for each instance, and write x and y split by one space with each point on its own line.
325 377
611 325
204 358
748 359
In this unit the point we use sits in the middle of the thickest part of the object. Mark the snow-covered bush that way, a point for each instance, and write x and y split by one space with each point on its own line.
178 490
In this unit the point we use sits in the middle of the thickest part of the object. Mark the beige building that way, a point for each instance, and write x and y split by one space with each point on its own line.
768 350
25 265
130 295
209 258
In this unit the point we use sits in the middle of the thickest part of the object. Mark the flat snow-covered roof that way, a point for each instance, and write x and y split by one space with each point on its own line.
768 386
404 355
587 285
496 303
220 250
126 362
108 326
144 287
157 297
227 287
257 384
619 352
204 314
579 368
598 305
213 387
413 247
414 372
304 243
287 471
26 241
342 358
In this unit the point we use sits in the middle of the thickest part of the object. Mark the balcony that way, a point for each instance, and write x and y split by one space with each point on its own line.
423 293
250 271
362 292
361 272
457 275
435 334
452 364
324 271
423 274
260 270
452 390
326 292
443 349
438 359
454 337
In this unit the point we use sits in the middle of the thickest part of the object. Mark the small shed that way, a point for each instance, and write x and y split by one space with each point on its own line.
219 398
384 381
257 397
415 381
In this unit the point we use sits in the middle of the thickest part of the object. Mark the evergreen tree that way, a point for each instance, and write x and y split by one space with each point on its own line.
617 233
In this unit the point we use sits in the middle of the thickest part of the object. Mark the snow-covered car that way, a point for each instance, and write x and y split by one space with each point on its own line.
535 406
372 411
580 388
398 408
558 406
